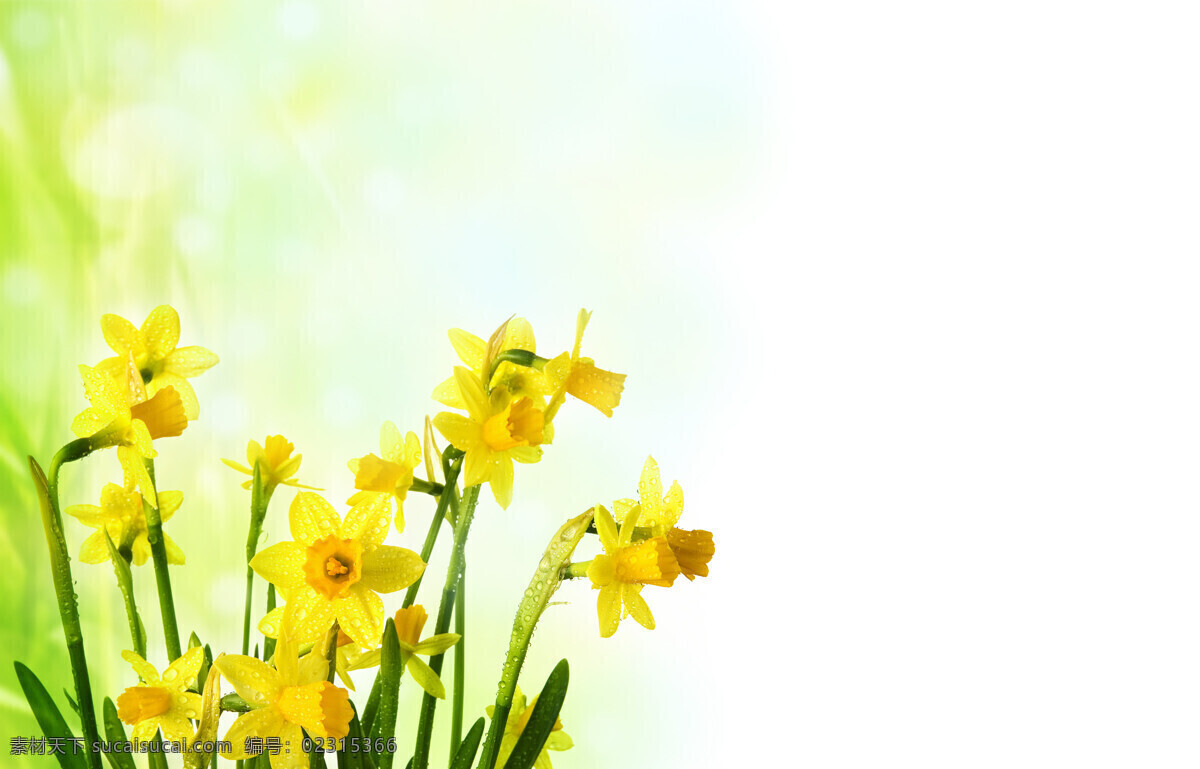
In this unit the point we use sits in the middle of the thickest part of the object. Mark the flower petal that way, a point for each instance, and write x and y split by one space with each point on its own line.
190 361
559 740
181 673
637 607
174 554
608 607
311 518
308 615
281 564
168 504
390 442
94 548
470 348
254 680
263 722
119 334
291 754
501 479
460 431
369 520
387 569
145 670
471 390
436 644
446 393
425 677
161 331
607 529
175 726
360 614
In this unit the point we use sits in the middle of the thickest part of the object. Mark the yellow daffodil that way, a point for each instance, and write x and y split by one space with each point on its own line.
286 698
518 717
158 361
122 415
334 569
122 515
390 475
521 381
624 568
276 465
162 702
571 374
500 428
658 513
409 623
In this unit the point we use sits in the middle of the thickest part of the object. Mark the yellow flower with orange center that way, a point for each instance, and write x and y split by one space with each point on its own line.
518 718
624 568
409 623
159 362
162 702
659 513
499 428
571 374
123 415
334 569
123 517
290 697
391 474
276 465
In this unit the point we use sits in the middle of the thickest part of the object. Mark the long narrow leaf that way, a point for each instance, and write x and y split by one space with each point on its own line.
541 721
390 668
466 751
372 707
115 732
49 717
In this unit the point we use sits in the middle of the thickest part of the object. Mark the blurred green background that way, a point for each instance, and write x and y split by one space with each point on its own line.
321 191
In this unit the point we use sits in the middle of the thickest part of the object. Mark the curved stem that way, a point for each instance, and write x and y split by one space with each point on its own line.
64 586
453 574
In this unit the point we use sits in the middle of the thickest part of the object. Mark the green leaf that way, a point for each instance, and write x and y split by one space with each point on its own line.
466 751
49 717
541 721
71 701
355 759
372 706
390 668
115 732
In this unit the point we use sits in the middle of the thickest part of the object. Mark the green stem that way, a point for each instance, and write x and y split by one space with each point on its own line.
451 470
158 551
432 488
268 642
64 586
460 660
575 570
453 574
260 497
137 633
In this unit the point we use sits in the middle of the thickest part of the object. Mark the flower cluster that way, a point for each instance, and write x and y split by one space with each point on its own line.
326 583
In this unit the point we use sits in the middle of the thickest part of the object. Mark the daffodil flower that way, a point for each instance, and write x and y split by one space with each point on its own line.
390 475
286 698
658 513
158 361
500 428
409 623
624 568
123 517
521 381
334 569
276 465
518 717
122 415
162 702
577 376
